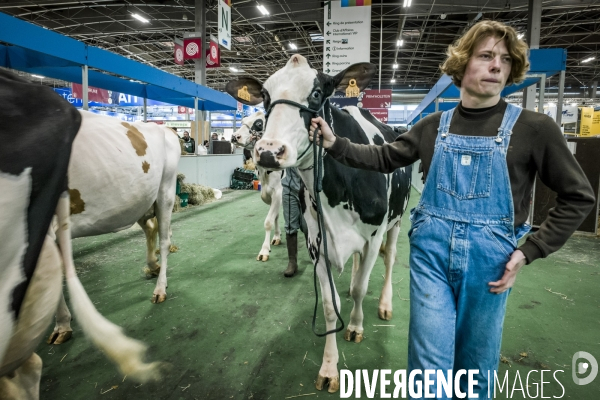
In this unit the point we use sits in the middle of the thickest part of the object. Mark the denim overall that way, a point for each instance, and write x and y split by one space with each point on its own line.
461 238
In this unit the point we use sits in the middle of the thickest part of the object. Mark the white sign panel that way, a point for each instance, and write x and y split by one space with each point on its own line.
224 25
347 36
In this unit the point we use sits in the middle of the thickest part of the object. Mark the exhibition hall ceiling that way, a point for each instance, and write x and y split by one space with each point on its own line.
261 43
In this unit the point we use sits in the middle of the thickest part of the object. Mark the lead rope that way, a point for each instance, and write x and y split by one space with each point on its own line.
318 188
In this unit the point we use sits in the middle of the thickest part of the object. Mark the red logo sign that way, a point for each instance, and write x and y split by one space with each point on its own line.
376 99
380 113
192 48
94 94
178 55
213 55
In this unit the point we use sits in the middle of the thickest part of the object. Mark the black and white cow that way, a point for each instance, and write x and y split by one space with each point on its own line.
359 206
271 189
34 158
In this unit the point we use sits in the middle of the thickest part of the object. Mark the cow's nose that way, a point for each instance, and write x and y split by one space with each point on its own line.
269 153
234 139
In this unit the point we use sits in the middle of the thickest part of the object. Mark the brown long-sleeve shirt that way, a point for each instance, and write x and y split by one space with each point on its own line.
536 145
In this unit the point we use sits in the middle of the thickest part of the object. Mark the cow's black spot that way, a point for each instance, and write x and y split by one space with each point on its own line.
364 191
400 192
378 140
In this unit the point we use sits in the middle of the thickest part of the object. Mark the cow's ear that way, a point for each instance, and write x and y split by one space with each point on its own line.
361 72
245 90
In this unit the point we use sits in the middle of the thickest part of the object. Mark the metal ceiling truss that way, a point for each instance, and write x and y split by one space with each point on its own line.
261 43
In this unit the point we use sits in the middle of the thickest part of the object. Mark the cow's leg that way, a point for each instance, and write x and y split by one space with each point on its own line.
389 257
269 222
276 205
24 382
62 329
328 374
277 233
359 288
150 228
164 209
355 265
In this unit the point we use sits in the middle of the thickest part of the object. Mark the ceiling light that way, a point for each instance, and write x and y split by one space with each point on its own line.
407 3
293 46
139 17
520 35
38 76
234 69
400 42
442 16
262 9
395 66
393 80
588 59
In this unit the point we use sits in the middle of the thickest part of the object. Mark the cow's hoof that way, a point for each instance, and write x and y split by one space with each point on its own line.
151 272
385 315
353 336
59 337
158 298
276 242
262 257
334 383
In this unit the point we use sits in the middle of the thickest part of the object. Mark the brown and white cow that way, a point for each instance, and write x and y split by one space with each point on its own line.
31 183
122 173
271 189
359 207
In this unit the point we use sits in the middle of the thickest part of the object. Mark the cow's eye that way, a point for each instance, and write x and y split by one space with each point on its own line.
316 94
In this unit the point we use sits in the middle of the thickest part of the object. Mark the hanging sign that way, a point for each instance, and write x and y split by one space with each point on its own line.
347 33
94 94
213 55
192 48
380 113
178 52
225 24
376 99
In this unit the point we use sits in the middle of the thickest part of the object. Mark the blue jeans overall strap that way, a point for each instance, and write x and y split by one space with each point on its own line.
461 238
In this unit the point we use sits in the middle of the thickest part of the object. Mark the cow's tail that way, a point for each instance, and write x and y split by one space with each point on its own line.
127 353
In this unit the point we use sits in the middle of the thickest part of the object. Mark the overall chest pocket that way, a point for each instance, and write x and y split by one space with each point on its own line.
465 174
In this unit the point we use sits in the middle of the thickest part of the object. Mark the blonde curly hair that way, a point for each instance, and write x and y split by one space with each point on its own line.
461 51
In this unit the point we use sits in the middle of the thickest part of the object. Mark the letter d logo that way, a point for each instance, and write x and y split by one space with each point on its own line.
582 367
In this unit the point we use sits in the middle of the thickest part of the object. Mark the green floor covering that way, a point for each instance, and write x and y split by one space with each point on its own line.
235 328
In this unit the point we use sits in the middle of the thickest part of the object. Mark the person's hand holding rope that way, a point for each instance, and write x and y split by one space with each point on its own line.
324 131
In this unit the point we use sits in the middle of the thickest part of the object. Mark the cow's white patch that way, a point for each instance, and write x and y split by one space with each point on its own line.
14 201
465 159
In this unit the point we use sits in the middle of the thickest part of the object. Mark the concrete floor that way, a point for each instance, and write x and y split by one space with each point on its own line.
235 328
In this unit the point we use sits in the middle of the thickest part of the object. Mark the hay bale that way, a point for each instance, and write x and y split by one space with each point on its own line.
198 194
177 206
249 165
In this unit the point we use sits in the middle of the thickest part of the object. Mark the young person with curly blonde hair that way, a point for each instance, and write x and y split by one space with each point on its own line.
479 162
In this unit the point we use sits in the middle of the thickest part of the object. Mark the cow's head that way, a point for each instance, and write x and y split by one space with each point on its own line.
250 131
285 140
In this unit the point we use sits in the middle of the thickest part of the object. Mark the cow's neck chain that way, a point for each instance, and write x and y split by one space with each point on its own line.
318 187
